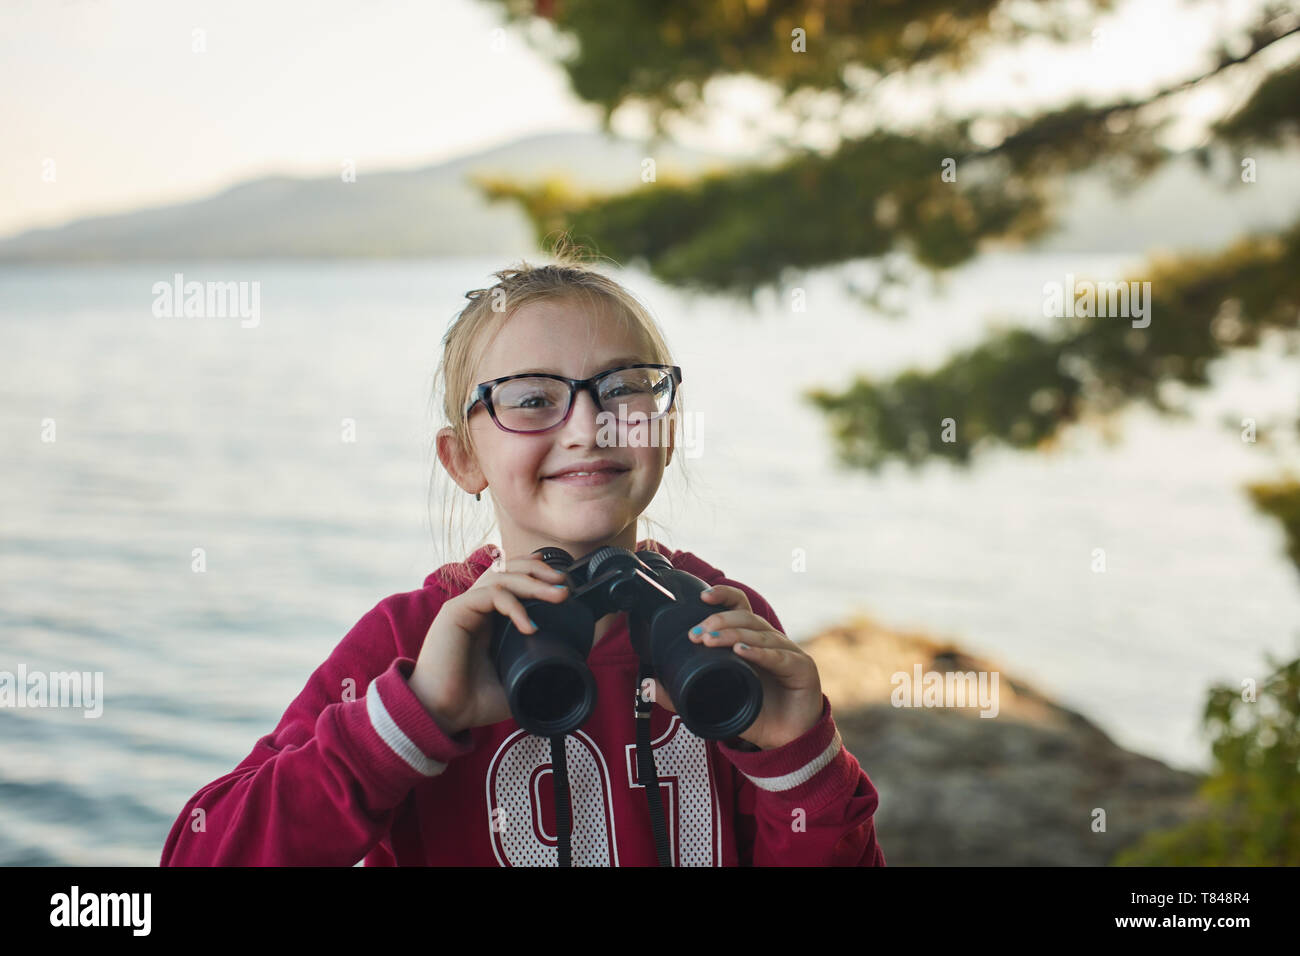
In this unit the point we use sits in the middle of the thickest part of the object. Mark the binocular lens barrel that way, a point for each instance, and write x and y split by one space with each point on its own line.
716 693
548 684
718 700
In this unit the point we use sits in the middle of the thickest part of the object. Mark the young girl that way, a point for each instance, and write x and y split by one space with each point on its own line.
401 750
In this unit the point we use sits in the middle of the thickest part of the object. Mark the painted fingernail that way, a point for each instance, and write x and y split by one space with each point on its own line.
744 647
714 633
696 629
559 585
533 623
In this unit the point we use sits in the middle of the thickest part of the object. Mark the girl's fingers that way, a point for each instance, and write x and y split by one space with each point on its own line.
485 600
510 606
479 602
535 567
790 669
529 578
727 636
548 573
525 585
723 619
762 631
759 648
768 649
533 588
554 591
776 660
725 596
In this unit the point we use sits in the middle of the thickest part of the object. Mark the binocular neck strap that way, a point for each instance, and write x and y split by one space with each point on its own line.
647 776
560 778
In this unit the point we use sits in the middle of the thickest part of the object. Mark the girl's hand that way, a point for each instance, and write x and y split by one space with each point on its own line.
454 677
792 689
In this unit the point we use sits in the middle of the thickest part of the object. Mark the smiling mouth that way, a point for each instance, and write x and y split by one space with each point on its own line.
601 477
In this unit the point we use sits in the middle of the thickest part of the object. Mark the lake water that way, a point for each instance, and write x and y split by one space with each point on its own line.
173 434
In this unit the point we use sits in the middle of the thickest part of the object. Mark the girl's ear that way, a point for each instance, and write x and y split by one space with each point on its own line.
458 461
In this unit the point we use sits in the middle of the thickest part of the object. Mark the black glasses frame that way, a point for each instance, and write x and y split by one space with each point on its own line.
483 393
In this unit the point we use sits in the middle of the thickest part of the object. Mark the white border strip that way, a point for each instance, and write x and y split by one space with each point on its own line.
805 773
396 739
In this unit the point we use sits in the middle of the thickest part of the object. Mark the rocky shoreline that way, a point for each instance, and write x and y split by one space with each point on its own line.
1017 789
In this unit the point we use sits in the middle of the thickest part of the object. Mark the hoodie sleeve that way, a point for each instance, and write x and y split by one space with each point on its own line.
322 788
808 803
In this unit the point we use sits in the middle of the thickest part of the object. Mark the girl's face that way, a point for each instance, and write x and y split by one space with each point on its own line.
562 337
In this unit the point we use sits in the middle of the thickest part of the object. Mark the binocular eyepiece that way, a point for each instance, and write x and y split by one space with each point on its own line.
545 675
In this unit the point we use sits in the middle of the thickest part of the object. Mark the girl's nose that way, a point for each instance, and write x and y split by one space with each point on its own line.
582 421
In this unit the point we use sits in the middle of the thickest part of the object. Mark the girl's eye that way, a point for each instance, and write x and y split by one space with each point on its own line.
527 400
626 387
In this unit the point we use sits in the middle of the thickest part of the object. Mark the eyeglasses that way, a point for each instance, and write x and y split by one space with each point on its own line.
537 402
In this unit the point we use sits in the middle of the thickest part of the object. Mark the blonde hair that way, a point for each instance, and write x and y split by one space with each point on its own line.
478 324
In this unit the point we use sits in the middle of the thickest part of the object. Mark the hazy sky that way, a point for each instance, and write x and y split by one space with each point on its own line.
115 96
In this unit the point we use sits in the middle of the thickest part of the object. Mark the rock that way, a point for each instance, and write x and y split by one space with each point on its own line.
1017 789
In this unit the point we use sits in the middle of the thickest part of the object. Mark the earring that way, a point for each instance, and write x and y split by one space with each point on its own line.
478 496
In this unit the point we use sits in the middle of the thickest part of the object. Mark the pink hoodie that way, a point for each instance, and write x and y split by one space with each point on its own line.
358 769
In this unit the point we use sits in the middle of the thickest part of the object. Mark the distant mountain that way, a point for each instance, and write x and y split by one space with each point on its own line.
431 211
436 210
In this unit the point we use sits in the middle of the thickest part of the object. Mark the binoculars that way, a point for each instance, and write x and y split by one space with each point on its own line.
545 675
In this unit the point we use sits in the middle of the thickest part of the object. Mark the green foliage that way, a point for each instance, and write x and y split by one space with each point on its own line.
872 194
1282 501
901 417
660 54
1254 790
739 231
1269 116
1019 387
